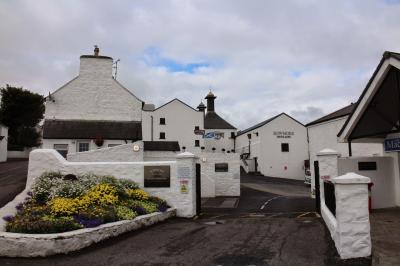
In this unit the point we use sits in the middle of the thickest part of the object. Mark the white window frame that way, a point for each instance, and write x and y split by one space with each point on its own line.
82 141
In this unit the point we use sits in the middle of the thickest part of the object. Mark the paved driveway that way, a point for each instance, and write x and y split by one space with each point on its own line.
12 179
284 232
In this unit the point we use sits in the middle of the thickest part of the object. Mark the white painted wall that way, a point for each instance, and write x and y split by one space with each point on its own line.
180 122
324 135
94 95
219 183
3 143
72 144
267 147
45 160
384 189
226 142
121 153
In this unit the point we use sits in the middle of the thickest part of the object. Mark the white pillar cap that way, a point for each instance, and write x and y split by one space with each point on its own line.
351 178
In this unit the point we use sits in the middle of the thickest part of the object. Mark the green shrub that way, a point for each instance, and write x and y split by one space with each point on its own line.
44 225
125 213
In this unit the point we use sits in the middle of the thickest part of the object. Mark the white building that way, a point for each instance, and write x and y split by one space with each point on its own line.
92 110
375 118
322 134
174 121
276 147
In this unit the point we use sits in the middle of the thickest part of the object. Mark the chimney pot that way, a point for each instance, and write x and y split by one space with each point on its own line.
96 50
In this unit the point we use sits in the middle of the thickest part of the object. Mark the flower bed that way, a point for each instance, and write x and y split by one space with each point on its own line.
61 203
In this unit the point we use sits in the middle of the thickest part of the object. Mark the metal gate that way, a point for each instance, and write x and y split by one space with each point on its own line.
198 189
317 189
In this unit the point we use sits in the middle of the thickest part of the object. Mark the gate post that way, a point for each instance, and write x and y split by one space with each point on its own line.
186 175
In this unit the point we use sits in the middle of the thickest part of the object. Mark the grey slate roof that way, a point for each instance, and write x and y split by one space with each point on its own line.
337 114
213 121
161 146
241 132
84 129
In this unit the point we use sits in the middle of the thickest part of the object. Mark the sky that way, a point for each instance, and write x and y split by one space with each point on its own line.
306 58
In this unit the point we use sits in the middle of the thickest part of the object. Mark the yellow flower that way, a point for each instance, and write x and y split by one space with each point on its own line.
63 206
138 194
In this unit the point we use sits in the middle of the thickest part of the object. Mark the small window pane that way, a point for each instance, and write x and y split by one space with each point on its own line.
162 121
285 147
197 143
83 146
196 128
162 135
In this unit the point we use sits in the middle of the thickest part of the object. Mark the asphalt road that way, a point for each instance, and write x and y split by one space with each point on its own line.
285 232
12 179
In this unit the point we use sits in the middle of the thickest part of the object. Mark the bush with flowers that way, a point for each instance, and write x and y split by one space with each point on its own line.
59 203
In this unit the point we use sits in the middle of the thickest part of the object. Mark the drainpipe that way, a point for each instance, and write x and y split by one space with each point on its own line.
350 152
152 138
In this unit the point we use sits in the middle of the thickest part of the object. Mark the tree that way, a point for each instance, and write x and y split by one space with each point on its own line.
21 111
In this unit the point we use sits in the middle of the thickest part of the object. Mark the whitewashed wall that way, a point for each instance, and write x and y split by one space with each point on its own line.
267 147
226 142
94 95
384 189
324 135
219 183
121 153
72 144
3 143
44 160
180 122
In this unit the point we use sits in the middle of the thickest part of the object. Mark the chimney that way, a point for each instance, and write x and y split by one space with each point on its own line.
96 65
210 102
96 50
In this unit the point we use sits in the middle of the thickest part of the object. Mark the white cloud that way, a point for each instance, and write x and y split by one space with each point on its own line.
262 57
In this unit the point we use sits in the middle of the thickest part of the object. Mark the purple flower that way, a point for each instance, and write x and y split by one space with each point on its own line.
30 194
8 218
139 210
87 222
162 208
19 206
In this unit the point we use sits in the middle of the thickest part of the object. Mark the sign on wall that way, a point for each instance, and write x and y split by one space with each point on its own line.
157 176
214 135
184 186
392 144
283 134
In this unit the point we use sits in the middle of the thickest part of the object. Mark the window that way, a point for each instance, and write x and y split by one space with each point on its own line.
232 135
83 146
62 149
367 166
162 135
196 128
197 143
162 121
285 147
221 167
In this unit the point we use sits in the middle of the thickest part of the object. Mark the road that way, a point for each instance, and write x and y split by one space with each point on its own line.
285 232
12 179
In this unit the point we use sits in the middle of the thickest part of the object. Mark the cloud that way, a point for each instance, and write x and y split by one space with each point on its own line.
260 57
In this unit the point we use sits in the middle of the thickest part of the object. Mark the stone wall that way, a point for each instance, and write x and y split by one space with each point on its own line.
349 227
41 245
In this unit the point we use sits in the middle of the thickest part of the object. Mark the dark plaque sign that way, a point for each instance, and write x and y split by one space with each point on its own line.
157 176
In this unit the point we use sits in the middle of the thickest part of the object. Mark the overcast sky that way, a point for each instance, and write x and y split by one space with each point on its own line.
303 57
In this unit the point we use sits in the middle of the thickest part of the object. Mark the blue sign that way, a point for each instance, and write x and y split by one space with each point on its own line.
392 144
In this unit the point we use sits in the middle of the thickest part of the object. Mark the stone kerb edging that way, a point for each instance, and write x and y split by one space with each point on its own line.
41 245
